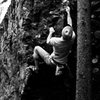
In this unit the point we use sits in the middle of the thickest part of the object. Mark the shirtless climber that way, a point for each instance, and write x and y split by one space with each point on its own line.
61 46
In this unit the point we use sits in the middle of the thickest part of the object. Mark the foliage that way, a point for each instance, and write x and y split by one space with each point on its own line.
95 31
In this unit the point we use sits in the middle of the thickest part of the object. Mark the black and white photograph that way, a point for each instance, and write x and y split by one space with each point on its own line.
49 49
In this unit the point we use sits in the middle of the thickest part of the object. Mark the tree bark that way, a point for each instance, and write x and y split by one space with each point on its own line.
83 81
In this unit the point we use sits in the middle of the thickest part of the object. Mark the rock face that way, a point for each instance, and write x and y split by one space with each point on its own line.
26 24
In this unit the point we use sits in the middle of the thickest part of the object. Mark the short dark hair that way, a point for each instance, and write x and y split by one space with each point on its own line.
69 25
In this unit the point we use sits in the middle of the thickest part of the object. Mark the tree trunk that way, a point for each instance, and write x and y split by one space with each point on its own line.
83 81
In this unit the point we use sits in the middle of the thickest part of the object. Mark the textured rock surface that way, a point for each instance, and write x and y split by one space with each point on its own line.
26 25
